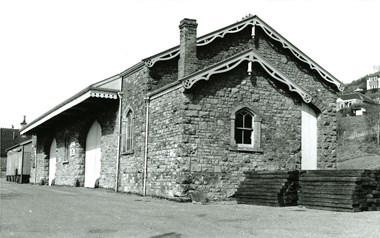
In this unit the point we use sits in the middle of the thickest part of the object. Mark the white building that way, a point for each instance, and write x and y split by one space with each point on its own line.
373 81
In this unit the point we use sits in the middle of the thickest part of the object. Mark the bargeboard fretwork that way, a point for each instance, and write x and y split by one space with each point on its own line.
250 55
298 54
254 21
201 41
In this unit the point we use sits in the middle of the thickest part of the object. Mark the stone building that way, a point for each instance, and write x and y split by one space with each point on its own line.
195 117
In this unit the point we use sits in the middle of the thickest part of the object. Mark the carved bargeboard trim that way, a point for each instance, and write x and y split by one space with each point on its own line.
299 54
201 41
250 56
254 21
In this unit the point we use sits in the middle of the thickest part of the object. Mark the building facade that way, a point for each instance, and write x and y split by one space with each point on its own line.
20 159
195 117
355 101
373 81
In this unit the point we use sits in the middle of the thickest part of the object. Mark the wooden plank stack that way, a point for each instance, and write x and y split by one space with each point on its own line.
269 188
340 190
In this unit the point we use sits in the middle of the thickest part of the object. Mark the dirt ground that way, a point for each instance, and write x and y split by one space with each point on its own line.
42 211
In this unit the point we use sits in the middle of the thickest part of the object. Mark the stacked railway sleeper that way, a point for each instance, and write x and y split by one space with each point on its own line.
340 190
269 188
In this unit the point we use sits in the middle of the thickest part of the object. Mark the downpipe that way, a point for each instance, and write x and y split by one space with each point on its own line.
120 94
146 144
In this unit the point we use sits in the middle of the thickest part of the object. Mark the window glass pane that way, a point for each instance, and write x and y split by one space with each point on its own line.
239 136
248 121
128 133
239 120
247 137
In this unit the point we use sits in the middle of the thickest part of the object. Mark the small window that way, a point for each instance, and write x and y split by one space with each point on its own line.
245 130
127 136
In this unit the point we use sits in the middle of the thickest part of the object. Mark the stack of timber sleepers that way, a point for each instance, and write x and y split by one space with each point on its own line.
269 188
340 190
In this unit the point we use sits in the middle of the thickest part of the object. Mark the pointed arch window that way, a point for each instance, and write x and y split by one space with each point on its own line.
127 136
245 130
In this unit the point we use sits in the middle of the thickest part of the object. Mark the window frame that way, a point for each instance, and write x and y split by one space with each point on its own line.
127 131
255 145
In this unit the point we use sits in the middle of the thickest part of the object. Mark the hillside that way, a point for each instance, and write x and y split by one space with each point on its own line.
359 83
362 84
357 147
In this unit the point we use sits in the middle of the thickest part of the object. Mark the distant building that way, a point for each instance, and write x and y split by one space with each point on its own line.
20 158
353 101
373 81
8 138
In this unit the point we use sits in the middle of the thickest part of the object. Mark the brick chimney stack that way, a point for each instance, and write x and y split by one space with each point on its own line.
188 61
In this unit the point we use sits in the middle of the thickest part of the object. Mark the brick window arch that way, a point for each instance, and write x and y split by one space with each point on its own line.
128 131
245 129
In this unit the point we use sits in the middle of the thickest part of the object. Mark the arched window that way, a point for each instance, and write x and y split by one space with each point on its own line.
127 136
245 129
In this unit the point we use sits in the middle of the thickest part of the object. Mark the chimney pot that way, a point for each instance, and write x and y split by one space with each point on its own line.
23 123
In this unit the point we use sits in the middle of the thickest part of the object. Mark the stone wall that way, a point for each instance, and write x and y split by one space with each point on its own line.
40 169
166 72
165 136
216 168
71 148
223 48
324 96
132 164
189 145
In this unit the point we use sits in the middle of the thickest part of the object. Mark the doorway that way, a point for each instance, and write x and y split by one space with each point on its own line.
52 161
93 155
309 138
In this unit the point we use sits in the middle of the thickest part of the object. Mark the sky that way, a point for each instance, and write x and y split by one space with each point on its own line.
52 49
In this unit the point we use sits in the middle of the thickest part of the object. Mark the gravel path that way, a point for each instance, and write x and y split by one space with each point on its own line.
41 211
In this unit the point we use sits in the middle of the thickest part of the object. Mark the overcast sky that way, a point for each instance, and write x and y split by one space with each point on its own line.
50 50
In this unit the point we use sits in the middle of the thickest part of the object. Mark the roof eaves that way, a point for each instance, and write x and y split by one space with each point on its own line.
32 125
132 69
